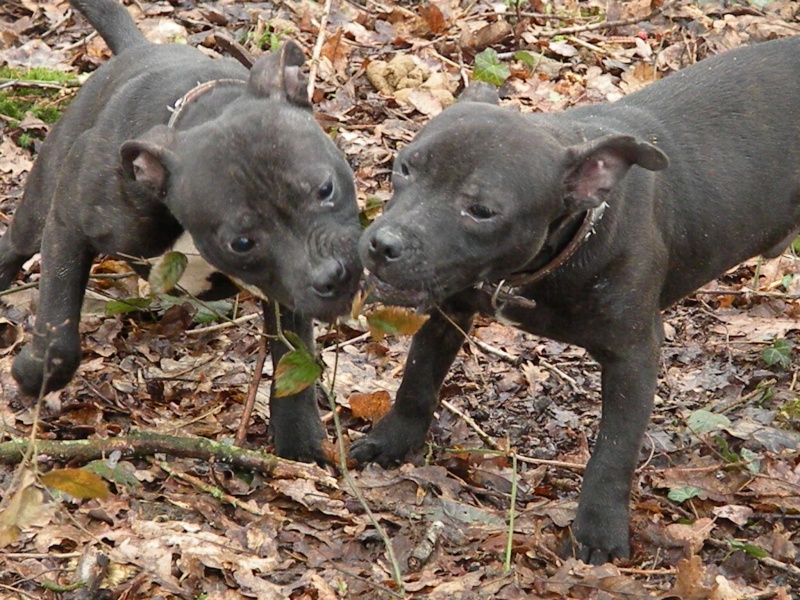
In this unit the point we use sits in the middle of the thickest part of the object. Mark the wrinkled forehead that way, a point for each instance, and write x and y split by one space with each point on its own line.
277 144
483 145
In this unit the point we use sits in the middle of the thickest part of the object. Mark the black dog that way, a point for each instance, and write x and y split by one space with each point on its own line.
577 226
164 140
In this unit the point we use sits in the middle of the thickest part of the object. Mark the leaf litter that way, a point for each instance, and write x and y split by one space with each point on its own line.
717 501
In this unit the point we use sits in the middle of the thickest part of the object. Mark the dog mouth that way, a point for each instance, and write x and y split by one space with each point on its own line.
387 293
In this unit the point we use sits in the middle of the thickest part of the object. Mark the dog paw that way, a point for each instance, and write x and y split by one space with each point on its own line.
392 439
598 556
30 370
301 450
603 537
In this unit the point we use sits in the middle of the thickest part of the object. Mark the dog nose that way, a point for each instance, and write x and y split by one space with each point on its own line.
328 278
385 245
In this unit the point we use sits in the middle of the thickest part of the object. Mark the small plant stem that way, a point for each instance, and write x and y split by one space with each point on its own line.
396 572
512 511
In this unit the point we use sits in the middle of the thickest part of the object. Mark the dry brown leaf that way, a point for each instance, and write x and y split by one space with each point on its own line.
22 509
691 537
690 580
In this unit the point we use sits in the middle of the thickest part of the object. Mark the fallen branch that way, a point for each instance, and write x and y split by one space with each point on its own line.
147 444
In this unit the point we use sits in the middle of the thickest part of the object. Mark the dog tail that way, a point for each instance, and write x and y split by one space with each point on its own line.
112 22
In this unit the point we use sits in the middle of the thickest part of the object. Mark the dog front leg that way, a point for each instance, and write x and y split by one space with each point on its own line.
628 387
50 361
294 422
432 352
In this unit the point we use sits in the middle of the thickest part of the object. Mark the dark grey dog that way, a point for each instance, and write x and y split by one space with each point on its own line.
577 227
162 140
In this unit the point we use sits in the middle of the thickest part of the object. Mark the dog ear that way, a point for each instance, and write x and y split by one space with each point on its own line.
480 91
278 74
150 158
595 167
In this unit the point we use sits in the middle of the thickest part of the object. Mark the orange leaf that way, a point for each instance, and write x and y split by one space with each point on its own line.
372 407
394 320
434 18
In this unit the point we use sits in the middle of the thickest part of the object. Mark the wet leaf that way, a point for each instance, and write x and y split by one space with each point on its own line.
78 483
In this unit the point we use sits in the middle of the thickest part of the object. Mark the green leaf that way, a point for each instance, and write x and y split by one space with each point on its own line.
753 464
748 548
488 68
167 271
129 305
725 450
796 244
703 421
208 311
527 59
78 483
296 371
681 495
117 473
778 354
294 340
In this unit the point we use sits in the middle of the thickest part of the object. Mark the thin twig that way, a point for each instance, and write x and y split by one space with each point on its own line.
514 360
211 490
225 325
323 25
43 85
605 24
255 380
490 441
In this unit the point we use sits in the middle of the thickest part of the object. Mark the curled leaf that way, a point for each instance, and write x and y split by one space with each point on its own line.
167 271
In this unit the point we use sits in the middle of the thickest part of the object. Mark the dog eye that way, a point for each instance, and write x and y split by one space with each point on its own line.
479 212
242 244
325 193
403 169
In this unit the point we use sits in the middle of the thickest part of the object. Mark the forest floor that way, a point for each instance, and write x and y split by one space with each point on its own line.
484 510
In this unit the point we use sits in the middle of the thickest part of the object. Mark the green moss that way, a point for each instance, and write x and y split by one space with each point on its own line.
38 74
43 102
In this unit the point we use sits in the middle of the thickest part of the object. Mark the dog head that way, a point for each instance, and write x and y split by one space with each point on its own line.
476 193
266 196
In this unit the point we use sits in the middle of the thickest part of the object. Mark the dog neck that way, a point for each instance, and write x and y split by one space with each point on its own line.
505 291
193 94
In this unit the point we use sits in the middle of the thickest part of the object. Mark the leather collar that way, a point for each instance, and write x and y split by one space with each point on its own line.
506 290
193 94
